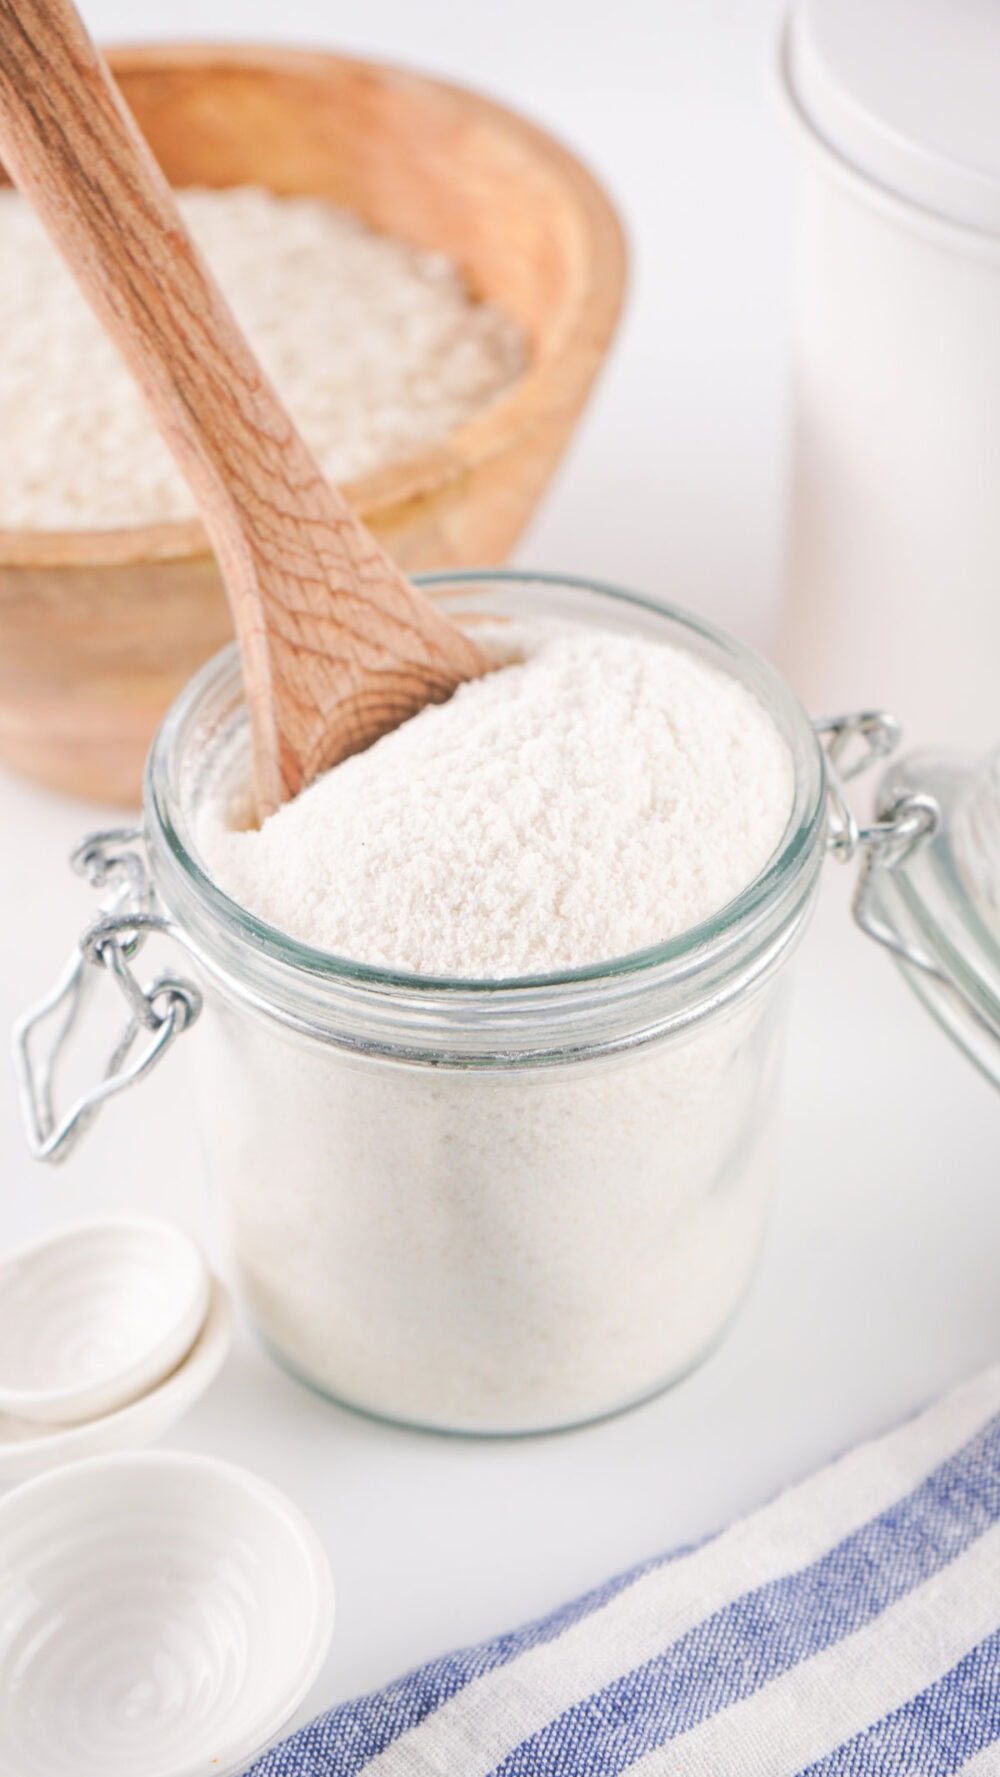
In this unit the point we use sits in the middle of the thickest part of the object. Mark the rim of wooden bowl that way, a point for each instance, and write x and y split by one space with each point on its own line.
537 391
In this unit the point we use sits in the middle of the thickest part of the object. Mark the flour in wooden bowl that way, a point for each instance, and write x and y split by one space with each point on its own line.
377 349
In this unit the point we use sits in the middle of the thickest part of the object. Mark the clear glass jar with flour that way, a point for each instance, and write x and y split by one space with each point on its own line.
486 1200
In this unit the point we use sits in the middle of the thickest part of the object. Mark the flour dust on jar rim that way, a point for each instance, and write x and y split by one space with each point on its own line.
497 1205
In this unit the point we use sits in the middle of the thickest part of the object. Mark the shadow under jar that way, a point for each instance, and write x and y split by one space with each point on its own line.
500 1206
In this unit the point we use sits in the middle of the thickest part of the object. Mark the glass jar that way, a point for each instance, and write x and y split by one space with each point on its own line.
483 1206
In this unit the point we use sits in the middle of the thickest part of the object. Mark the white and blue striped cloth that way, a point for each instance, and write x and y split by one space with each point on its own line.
849 1629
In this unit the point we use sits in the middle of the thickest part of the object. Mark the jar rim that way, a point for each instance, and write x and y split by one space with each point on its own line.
777 890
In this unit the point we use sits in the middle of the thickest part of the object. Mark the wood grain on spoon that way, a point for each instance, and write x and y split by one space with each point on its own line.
337 646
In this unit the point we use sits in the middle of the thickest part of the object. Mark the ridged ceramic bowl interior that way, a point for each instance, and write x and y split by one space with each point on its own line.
94 1316
161 1615
28 1449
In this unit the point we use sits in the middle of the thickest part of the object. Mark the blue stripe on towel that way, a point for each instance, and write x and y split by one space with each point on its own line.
766 1632
936 1733
341 1744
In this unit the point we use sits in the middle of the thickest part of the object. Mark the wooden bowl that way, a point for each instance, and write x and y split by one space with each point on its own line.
99 629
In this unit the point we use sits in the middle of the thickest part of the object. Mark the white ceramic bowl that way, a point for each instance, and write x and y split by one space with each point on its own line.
28 1449
95 1316
161 1615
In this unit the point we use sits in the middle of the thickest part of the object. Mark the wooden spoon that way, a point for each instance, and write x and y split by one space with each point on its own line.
337 646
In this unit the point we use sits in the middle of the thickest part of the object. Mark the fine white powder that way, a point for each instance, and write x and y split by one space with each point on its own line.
376 348
519 1245
599 797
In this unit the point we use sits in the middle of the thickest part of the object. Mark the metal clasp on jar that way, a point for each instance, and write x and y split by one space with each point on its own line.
882 906
853 744
159 1010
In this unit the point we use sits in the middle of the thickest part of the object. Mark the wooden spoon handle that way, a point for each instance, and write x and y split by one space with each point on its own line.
337 646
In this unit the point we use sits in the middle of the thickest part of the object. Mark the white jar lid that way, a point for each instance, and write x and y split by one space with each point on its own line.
908 92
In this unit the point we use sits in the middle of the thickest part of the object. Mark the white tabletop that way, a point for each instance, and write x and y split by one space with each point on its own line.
879 1282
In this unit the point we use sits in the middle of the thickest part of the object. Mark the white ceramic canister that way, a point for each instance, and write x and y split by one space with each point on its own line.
893 589
494 1206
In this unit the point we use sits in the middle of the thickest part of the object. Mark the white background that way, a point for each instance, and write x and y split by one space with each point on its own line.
879 1283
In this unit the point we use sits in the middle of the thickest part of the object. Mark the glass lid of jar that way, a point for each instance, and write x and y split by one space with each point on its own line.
934 898
977 840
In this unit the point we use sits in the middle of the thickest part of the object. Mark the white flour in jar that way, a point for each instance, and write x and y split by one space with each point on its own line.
597 797
377 349
508 1248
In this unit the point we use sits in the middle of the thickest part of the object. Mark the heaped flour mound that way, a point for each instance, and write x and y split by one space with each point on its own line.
599 797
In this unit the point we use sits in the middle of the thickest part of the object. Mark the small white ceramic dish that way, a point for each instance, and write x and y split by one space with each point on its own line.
95 1316
28 1449
161 1614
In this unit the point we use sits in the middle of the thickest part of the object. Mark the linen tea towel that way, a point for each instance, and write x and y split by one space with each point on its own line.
851 1628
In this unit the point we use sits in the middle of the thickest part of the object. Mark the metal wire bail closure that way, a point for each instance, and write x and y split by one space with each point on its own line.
161 1009
888 904
853 744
